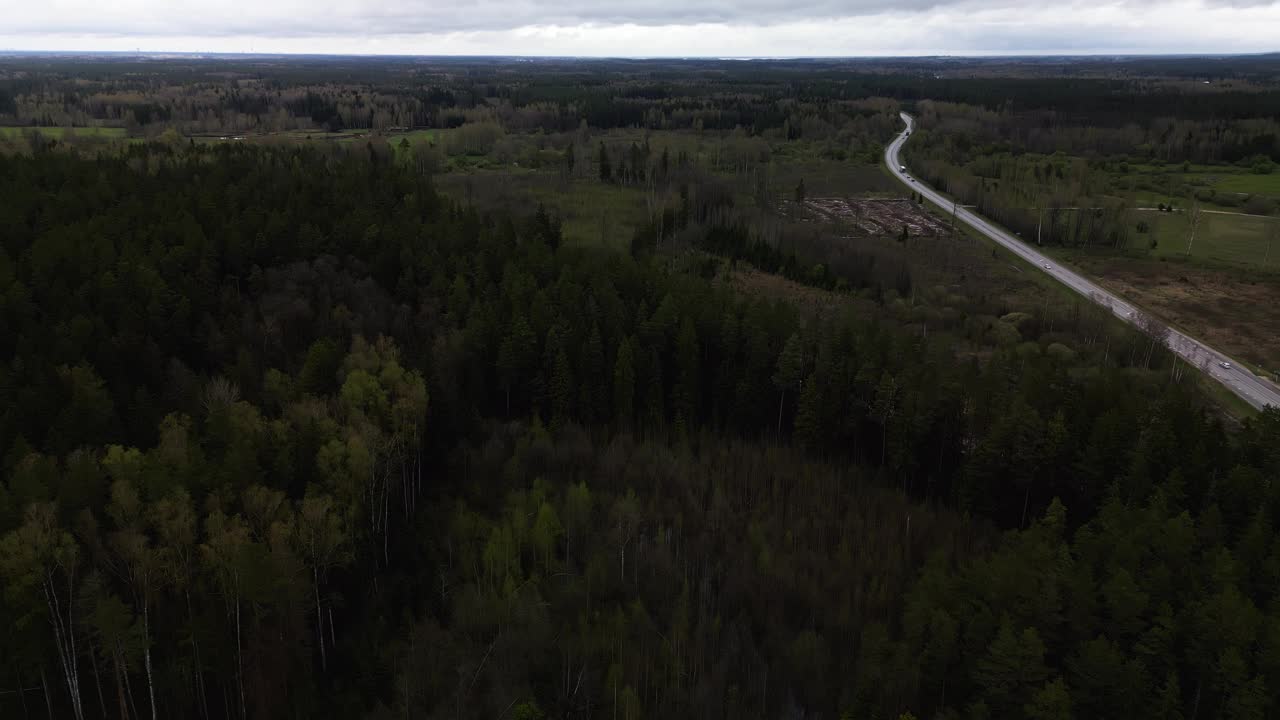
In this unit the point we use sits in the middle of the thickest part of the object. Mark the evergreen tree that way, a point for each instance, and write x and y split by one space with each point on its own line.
606 170
809 423
1012 668
561 389
789 371
1051 702
593 382
655 392
624 385
686 392
516 356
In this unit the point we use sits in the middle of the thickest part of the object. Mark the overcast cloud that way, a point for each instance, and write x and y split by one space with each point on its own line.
644 27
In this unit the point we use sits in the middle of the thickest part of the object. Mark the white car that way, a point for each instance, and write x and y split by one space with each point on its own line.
1225 365
1047 266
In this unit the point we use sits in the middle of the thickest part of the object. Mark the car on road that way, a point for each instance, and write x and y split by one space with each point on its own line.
1047 266
903 168
1225 365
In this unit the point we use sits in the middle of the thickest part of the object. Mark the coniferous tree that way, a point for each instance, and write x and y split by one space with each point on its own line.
561 390
606 169
789 371
624 385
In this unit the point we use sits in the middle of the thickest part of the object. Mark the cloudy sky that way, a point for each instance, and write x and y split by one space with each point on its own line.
643 28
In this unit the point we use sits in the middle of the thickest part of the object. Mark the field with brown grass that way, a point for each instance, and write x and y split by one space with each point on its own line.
1235 311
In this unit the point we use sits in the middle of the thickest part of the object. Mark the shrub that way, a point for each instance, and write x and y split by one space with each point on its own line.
1259 205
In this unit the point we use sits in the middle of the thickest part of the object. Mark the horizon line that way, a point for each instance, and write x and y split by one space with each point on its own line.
196 54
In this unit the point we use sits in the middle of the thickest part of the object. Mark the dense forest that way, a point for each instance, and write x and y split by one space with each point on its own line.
287 432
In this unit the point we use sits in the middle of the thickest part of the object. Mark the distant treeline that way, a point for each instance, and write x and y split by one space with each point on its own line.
224 95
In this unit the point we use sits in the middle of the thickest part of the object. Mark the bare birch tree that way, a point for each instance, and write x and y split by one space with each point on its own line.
1193 223
40 556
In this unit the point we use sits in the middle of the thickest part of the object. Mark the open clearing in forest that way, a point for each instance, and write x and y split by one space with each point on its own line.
1221 178
809 300
1226 238
869 216
1227 308
591 213
1250 183
831 178
10 131
393 137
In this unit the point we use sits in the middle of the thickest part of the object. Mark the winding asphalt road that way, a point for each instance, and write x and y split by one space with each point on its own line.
1254 390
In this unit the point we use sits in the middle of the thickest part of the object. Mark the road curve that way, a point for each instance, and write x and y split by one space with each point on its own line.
1254 390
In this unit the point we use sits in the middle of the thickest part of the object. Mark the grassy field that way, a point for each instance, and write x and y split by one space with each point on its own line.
1223 178
592 213
413 136
301 135
831 178
1227 292
1239 240
1250 183
1148 199
1235 310
60 132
